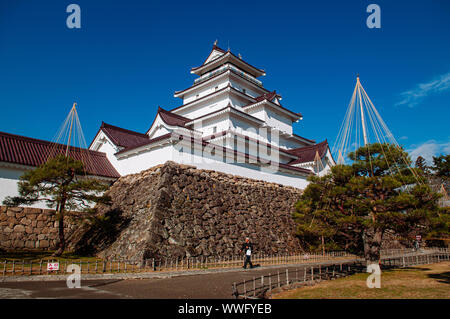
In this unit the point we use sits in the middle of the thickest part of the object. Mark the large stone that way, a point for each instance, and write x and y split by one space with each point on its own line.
19 229
43 244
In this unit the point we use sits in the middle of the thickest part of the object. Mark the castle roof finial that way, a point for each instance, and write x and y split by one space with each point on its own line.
215 42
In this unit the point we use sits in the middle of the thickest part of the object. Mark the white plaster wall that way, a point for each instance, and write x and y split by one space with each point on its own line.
108 148
245 128
240 85
9 177
240 169
206 89
279 121
145 160
204 107
184 155
290 143
221 123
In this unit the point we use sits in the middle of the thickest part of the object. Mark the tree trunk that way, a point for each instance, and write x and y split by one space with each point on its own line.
372 245
62 240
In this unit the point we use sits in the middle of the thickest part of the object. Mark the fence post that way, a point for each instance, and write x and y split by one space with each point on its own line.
23 265
312 273
254 287
245 290
403 261
270 282
4 267
304 275
287 276
278 278
14 267
31 267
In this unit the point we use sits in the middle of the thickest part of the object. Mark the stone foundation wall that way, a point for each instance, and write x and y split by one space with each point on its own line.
24 228
176 210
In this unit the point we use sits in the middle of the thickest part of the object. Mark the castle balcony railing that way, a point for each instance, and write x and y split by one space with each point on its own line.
225 68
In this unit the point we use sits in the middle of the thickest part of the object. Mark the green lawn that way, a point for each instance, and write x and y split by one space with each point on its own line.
422 282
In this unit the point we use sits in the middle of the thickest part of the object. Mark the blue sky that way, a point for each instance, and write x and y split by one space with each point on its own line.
130 56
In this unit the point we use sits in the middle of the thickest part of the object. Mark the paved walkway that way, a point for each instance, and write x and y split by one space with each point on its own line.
188 285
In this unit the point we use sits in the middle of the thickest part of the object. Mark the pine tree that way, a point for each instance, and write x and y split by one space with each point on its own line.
421 164
356 204
441 165
61 184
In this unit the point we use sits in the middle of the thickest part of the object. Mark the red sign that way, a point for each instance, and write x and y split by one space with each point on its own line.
52 266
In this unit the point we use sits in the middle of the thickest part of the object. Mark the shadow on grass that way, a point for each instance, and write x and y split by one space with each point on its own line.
443 277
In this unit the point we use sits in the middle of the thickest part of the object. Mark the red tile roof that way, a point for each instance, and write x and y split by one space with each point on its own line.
269 97
122 137
28 151
308 153
226 53
172 118
148 142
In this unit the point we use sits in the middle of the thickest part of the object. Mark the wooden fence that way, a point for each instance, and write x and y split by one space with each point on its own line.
24 267
98 266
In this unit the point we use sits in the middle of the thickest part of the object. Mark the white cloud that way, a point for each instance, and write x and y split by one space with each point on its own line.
429 149
414 96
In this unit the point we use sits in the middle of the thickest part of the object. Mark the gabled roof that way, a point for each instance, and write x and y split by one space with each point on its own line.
214 48
308 153
16 149
122 137
172 118
205 67
269 98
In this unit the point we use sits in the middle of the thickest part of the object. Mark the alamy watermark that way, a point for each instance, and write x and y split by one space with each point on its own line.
374 19
74 279
73 21
374 279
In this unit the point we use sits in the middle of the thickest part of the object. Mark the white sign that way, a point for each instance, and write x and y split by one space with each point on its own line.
249 252
52 266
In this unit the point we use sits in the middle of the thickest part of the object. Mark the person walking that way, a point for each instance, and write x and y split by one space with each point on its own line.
247 248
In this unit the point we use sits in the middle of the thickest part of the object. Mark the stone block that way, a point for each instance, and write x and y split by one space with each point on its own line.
43 244
30 244
19 229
